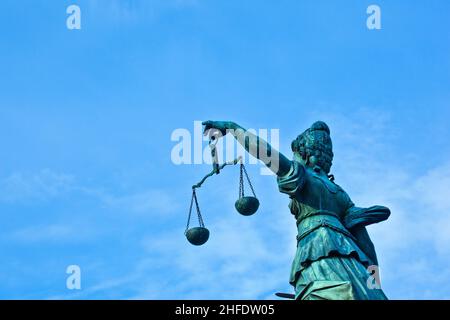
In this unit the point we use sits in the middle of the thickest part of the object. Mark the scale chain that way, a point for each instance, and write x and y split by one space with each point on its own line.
190 211
241 182
197 207
200 218
248 180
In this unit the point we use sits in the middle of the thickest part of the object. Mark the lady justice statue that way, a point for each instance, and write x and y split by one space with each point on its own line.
334 250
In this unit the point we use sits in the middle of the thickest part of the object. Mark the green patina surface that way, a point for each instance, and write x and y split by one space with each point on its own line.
334 250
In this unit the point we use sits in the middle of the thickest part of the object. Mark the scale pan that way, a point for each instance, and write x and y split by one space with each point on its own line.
197 236
247 205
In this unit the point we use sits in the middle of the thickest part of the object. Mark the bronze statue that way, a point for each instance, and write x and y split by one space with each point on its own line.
334 249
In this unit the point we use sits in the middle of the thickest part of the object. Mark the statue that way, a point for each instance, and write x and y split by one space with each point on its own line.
334 249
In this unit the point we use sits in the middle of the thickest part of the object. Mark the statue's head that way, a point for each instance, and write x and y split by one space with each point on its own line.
314 146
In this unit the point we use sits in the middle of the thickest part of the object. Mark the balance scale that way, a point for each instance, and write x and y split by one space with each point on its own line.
245 205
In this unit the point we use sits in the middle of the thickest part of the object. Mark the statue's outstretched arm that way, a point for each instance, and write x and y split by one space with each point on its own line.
256 146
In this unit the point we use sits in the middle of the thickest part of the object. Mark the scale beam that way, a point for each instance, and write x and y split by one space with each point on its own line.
217 171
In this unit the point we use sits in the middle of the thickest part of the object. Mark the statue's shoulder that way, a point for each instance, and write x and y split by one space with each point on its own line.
337 186
330 185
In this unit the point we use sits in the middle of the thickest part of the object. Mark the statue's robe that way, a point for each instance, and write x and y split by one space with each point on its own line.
334 250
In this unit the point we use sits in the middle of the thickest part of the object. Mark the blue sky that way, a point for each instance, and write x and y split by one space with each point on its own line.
86 118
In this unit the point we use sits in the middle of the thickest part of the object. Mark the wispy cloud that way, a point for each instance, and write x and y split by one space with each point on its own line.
251 257
61 233
39 186
144 202
414 243
48 185
240 261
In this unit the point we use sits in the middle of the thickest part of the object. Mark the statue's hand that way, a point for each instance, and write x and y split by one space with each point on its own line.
211 127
